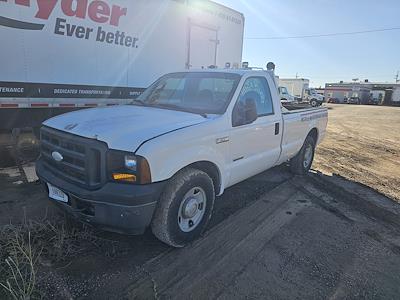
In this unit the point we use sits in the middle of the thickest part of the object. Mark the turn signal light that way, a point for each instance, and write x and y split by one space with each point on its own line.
124 177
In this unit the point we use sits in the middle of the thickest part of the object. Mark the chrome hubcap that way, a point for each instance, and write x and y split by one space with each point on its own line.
308 153
192 209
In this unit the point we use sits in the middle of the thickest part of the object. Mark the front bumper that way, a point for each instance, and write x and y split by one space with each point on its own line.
116 207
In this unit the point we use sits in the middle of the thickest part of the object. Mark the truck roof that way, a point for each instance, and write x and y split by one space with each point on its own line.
240 72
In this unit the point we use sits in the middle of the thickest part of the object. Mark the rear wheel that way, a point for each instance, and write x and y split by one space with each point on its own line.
27 147
302 162
185 208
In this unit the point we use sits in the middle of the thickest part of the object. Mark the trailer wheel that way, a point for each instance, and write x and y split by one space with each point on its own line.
185 208
301 163
27 147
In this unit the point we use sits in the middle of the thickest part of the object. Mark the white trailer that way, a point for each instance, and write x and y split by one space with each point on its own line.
295 86
63 55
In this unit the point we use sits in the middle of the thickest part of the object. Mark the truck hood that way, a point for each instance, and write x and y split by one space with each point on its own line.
123 127
318 96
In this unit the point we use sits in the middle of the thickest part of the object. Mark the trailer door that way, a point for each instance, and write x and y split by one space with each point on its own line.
203 45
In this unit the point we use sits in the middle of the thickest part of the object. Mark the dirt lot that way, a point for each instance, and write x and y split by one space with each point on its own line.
363 144
273 236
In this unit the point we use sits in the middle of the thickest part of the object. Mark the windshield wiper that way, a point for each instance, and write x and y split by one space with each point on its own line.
141 102
179 108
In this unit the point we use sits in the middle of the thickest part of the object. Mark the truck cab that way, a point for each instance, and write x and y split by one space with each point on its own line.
286 97
161 161
313 97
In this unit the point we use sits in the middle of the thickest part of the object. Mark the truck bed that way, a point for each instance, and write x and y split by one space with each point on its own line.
298 120
296 106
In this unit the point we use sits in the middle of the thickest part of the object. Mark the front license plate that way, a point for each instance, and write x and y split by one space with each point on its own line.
57 194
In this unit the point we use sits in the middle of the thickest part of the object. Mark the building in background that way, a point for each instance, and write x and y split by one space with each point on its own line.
363 93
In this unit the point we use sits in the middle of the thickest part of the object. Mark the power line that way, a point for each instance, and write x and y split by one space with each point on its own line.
322 35
336 76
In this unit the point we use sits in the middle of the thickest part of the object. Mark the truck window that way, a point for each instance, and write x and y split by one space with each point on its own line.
219 86
283 90
257 88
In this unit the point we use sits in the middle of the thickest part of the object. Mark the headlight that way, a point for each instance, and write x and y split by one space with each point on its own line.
128 168
131 162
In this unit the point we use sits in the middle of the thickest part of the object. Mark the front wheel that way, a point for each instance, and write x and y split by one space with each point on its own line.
185 208
301 163
314 103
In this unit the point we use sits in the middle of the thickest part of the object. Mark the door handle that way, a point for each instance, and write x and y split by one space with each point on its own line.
276 128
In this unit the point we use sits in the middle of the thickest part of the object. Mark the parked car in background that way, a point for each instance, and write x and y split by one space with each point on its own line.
353 100
333 100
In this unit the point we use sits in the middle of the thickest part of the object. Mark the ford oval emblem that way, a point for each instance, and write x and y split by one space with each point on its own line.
57 156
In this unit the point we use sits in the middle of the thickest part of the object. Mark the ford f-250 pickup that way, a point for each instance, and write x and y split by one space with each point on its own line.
161 161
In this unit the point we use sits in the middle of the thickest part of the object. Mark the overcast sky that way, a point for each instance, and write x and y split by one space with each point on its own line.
375 56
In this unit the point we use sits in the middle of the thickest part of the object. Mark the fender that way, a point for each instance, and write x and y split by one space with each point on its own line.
164 167
169 153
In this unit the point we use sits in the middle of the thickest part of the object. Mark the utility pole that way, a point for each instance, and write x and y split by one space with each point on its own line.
397 77
297 75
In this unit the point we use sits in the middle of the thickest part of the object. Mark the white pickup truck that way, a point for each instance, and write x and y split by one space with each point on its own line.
162 160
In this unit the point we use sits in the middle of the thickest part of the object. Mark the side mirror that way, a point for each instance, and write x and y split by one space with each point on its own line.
250 107
245 113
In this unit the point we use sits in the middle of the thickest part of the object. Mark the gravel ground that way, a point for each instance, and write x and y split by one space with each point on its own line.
330 237
363 145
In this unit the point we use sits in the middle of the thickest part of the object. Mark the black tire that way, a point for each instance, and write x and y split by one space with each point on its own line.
27 148
165 220
297 163
314 103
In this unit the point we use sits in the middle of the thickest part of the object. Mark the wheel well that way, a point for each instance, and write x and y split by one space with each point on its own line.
314 134
212 171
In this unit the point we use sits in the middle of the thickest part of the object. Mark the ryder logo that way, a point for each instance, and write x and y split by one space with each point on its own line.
97 11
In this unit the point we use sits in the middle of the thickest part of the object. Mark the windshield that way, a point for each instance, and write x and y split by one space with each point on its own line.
283 90
197 92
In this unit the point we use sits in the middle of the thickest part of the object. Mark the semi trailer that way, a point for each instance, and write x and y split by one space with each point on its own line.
67 55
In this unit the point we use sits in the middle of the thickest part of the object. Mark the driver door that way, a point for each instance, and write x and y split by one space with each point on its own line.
255 147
